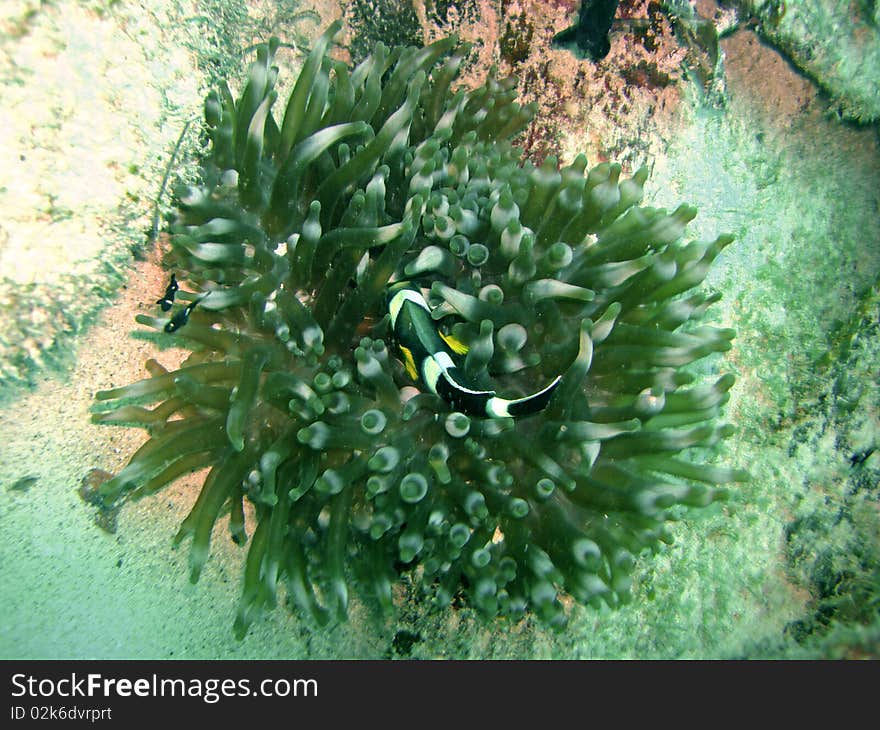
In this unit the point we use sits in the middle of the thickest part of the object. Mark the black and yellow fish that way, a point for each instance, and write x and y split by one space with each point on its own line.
428 355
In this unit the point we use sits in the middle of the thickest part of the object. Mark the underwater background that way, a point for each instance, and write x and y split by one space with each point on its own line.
762 115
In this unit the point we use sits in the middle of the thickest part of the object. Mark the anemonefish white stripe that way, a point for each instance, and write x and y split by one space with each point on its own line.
405 295
498 408
431 372
444 361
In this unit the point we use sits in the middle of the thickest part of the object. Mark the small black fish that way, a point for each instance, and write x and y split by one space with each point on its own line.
182 316
166 301
588 38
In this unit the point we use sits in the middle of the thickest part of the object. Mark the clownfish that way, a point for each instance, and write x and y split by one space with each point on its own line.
428 354
168 299
182 315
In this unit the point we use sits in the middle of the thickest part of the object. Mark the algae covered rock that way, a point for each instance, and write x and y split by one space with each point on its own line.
337 469
836 42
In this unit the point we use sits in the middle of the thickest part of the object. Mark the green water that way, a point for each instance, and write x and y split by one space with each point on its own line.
789 567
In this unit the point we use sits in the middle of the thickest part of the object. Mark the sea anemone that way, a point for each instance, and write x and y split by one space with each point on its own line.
294 397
